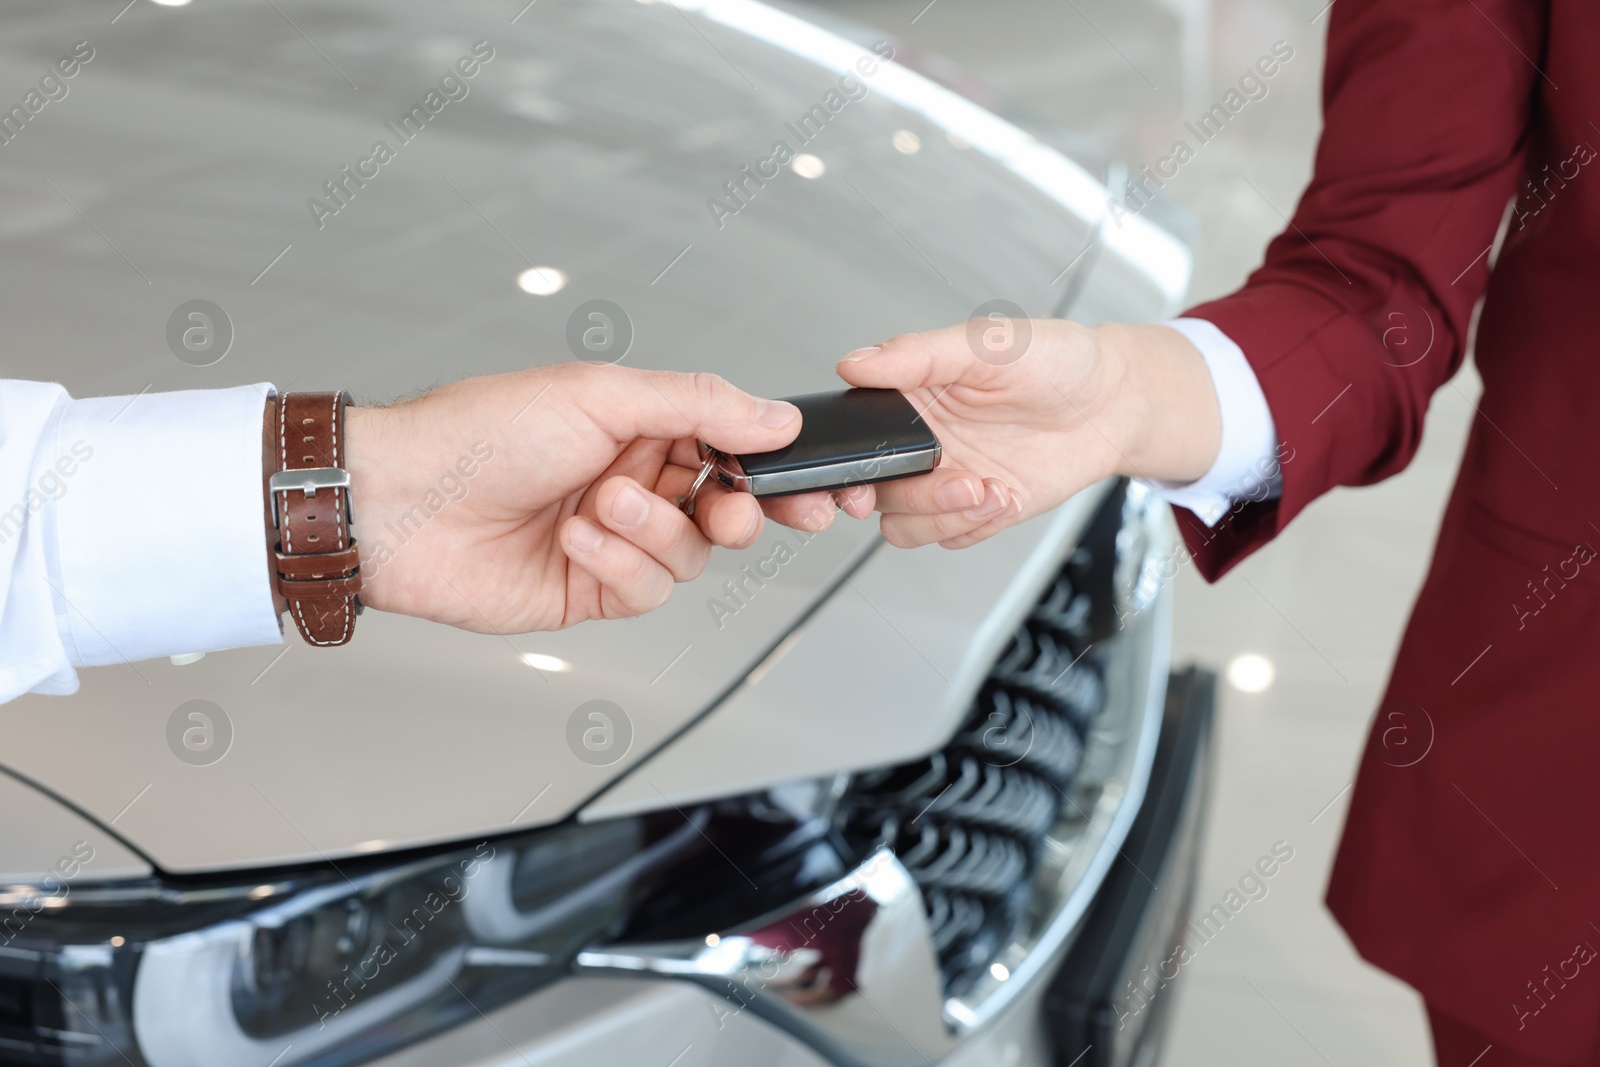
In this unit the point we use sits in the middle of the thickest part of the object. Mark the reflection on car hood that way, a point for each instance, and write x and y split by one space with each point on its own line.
595 140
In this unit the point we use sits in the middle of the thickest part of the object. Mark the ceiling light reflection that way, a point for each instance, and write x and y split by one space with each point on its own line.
1251 673
541 662
808 166
542 281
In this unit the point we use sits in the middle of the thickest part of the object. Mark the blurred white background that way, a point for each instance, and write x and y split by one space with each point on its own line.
1326 603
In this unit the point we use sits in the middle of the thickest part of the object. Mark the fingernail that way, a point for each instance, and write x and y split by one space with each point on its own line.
750 531
585 536
630 508
960 494
775 413
994 501
863 353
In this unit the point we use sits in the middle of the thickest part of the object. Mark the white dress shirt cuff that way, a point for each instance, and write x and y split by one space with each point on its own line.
1246 467
159 536
31 653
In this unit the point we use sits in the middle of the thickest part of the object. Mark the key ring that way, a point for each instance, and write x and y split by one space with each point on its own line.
686 501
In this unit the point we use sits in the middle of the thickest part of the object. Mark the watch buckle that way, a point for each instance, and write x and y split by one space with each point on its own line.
308 480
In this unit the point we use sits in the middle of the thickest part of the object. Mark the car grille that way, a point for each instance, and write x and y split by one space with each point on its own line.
968 822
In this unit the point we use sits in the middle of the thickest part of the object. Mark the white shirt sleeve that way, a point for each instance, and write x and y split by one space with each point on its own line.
1246 467
130 528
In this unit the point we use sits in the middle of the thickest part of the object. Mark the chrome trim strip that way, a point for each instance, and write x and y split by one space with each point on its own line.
849 472
851 970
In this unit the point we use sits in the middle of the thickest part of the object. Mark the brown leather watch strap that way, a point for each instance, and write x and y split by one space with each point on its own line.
315 560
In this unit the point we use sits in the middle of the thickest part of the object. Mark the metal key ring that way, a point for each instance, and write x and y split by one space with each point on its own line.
686 501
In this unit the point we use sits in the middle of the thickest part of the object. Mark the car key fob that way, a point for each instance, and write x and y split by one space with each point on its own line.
847 438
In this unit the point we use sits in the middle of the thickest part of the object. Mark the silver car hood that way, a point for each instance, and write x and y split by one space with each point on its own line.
188 148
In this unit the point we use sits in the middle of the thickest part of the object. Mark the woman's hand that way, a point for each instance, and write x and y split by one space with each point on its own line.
1026 425
538 499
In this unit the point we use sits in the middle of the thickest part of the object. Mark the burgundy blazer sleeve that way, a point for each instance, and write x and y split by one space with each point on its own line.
1362 306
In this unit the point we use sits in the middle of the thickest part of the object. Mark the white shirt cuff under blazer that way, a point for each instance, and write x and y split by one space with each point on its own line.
131 527
1246 467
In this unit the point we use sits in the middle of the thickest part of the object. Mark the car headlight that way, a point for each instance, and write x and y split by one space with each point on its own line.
338 965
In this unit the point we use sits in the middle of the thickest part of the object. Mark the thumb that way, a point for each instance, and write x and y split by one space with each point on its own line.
920 360
667 406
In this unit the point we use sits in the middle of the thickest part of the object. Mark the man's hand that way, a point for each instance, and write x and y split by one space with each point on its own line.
1023 431
539 499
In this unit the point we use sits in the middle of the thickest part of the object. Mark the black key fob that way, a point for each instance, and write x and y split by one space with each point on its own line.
851 437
